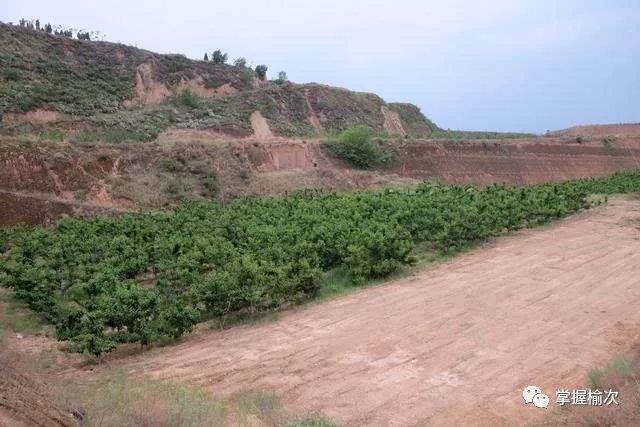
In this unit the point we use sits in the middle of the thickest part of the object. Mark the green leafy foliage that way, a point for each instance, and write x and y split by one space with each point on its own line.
240 62
261 71
357 147
218 57
150 277
187 98
55 135
282 77
211 184
10 74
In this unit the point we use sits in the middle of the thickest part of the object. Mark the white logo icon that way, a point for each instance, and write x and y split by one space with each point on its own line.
533 394
541 400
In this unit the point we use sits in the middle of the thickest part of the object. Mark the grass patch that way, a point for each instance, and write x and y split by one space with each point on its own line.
112 136
53 135
607 376
187 98
335 282
16 316
170 164
116 400
620 375
312 421
264 405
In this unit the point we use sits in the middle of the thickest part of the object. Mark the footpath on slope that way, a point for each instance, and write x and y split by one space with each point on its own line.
455 344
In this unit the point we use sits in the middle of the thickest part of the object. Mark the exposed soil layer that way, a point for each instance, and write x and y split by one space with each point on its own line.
449 346
24 208
40 182
524 161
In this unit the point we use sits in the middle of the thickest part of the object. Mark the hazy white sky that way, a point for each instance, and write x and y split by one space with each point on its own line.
492 65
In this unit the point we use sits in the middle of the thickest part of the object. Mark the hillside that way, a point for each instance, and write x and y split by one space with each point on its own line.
600 131
92 128
88 90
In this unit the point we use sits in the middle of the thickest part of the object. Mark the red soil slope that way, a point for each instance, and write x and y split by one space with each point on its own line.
42 182
517 161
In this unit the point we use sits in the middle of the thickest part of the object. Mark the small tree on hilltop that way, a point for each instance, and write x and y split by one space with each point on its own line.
83 35
282 77
219 57
261 71
206 57
240 63
48 29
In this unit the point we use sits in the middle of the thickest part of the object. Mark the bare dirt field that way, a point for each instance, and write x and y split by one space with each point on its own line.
452 345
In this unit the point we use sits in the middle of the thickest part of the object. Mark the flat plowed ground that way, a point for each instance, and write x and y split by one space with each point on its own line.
454 344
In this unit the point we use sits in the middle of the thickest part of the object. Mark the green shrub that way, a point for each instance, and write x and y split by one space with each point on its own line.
240 62
282 77
356 146
112 135
169 164
211 184
218 57
19 100
187 98
54 135
10 74
261 71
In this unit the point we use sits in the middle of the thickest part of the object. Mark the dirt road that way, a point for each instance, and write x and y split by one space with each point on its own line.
455 344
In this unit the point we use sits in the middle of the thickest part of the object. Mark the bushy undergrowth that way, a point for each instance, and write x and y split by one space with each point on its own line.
357 147
186 98
152 276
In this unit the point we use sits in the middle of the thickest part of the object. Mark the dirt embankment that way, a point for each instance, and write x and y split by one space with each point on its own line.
454 345
516 161
40 182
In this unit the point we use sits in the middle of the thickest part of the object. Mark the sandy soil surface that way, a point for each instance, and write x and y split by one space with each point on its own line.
452 345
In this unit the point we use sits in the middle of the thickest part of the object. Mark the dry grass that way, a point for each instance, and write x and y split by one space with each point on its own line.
622 375
116 399
15 316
